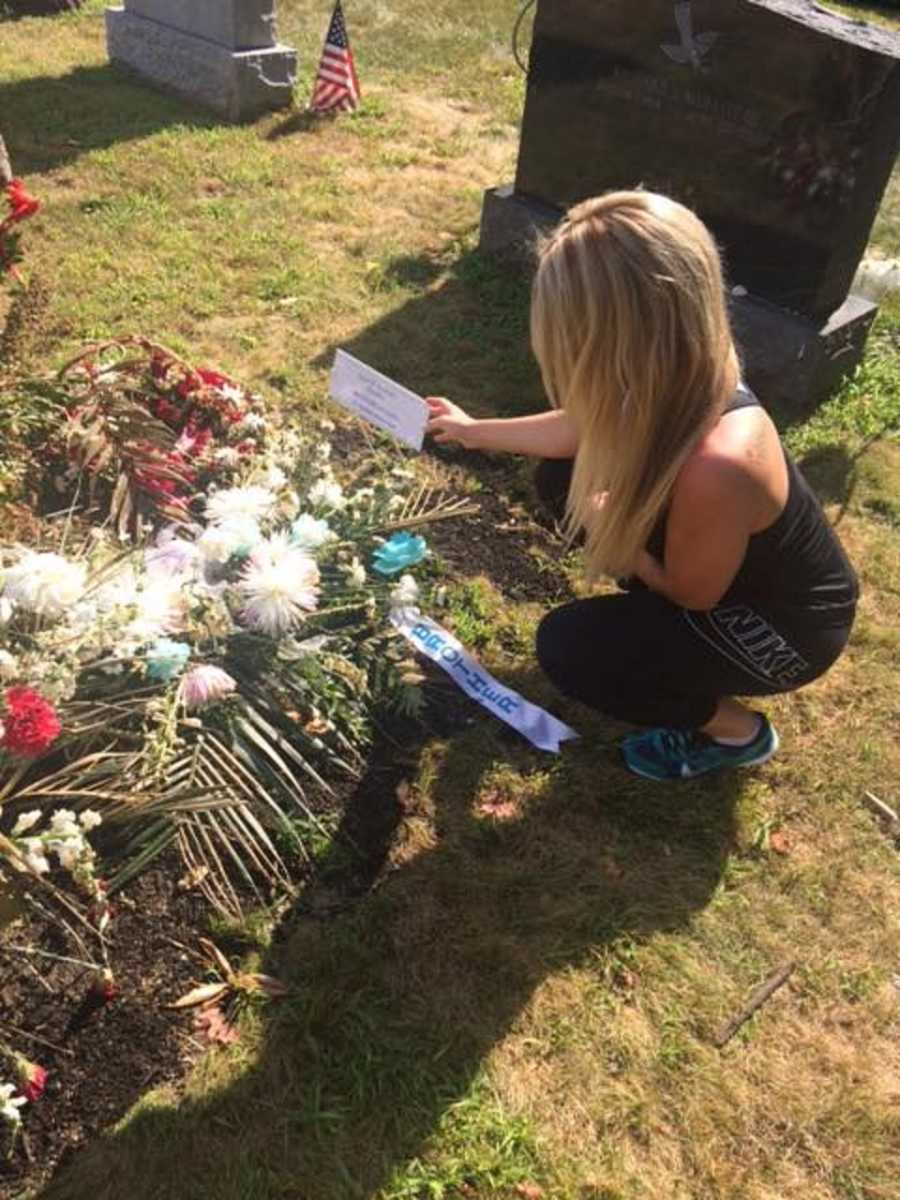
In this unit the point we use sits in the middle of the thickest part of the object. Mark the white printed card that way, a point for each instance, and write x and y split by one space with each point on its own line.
369 394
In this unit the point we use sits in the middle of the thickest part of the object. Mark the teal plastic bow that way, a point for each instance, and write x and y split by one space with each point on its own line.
399 552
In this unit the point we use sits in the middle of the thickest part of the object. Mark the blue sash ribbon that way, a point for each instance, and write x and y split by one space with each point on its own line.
436 643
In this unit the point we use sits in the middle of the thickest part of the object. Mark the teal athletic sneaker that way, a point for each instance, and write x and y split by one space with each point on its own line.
682 754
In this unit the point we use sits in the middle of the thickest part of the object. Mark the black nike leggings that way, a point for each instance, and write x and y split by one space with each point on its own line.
640 658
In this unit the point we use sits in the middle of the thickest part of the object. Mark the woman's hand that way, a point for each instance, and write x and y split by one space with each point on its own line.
448 423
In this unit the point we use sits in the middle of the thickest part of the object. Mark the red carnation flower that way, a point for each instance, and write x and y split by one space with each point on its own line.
213 378
188 385
31 723
21 205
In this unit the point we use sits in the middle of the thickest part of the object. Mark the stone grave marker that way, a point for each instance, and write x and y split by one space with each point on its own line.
776 120
224 54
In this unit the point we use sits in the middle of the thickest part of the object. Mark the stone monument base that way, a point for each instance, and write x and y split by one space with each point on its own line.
792 362
237 84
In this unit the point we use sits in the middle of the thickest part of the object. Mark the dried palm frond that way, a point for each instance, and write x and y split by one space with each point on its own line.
219 817
231 984
427 505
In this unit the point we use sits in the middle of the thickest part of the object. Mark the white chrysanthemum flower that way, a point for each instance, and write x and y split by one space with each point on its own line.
275 479
240 502
405 593
89 820
309 532
356 573
10 1104
47 584
328 493
205 684
221 541
161 608
279 585
115 591
9 666
26 821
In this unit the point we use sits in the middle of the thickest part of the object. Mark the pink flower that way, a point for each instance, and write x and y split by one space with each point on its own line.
206 684
171 556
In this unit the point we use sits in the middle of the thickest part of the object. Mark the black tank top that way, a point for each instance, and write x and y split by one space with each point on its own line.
796 568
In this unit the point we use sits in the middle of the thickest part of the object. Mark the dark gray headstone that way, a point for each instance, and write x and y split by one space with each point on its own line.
776 121
789 359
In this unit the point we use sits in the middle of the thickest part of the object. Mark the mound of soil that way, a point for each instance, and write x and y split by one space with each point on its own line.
101 1061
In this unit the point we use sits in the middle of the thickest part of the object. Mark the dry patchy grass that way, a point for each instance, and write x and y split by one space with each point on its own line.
530 994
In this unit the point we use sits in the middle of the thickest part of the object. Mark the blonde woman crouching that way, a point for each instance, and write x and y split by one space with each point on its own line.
656 453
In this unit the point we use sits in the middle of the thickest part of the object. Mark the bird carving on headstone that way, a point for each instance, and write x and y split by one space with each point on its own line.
693 49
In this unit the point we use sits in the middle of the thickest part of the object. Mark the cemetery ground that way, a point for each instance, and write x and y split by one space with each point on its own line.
510 981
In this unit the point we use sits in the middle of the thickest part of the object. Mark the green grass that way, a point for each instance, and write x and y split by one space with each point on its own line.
529 996
887 13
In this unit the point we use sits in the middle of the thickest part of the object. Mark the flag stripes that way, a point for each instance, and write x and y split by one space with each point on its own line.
336 87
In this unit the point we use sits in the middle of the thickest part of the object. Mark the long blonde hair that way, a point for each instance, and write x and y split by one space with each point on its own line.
629 326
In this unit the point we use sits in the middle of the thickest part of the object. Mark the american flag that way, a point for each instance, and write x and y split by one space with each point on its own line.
336 86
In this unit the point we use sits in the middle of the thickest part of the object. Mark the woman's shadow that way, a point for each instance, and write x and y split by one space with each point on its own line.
513 866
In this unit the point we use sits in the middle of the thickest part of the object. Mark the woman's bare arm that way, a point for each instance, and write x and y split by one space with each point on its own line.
712 513
544 435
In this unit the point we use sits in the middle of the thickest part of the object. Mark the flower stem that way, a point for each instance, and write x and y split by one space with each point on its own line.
64 958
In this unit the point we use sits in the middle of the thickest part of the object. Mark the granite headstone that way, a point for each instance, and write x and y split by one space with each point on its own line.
223 54
777 121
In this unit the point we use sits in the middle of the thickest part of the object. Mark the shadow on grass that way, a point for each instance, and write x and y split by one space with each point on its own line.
848 479
401 993
411 964
51 121
465 331
300 121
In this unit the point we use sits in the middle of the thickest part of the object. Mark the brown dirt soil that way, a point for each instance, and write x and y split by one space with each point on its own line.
135 1043
106 1058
